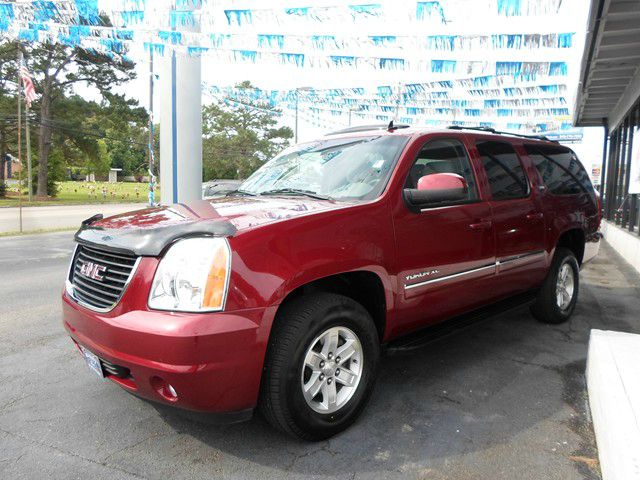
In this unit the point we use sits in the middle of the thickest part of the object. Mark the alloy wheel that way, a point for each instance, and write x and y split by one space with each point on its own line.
565 286
332 370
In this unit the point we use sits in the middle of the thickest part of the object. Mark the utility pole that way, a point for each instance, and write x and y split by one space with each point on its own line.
20 136
295 138
351 110
152 179
298 90
398 101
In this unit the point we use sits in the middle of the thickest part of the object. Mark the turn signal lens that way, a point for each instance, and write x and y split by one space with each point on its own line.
217 279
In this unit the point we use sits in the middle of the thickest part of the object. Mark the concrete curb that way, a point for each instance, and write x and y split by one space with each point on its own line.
613 383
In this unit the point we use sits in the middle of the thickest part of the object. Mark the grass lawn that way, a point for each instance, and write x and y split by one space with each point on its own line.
78 193
40 230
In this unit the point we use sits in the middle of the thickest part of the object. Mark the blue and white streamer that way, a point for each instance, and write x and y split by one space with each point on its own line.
525 76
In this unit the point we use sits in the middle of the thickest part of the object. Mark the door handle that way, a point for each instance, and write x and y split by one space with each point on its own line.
535 216
480 225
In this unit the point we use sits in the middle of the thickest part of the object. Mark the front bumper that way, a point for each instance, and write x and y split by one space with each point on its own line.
213 361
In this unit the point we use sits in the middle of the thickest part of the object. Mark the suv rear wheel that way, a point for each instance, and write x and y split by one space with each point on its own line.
557 298
320 366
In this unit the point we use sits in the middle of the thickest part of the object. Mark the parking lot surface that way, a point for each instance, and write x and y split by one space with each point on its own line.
58 216
503 399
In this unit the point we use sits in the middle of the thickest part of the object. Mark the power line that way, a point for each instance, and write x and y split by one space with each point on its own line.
56 125
238 152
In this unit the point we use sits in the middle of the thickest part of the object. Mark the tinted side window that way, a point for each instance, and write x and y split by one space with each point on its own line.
443 156
561 171
504 170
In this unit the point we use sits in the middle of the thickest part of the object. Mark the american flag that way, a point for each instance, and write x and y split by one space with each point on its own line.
29 89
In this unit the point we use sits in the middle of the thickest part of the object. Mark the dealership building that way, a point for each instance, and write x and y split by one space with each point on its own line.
609 96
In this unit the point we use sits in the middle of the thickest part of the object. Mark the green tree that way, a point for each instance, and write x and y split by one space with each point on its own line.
101 161
75 136
95 137
126 134
85 135
239 137
8 132
56 69
8 106
65 127
75 132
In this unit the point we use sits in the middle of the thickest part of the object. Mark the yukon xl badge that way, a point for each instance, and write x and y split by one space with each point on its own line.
417 276
92 270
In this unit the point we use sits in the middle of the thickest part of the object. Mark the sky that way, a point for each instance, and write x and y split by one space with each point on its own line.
464 17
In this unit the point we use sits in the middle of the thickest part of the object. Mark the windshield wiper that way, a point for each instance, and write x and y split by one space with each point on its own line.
241 192
296 191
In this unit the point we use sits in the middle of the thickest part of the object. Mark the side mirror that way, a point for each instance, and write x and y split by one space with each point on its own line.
437 188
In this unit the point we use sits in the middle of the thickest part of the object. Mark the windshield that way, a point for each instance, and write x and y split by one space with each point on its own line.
345 168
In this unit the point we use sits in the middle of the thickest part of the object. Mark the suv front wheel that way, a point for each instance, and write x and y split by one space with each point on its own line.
320 366
557 298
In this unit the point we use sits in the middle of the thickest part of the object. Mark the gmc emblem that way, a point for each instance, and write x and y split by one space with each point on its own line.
92 270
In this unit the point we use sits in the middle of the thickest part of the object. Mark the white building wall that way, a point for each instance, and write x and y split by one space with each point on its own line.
627 244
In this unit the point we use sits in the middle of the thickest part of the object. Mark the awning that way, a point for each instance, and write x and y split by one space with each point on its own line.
610 74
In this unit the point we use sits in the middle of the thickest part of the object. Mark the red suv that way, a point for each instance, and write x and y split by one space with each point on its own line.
281 294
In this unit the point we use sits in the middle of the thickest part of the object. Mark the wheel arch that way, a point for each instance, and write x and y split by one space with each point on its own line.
574 240
363 286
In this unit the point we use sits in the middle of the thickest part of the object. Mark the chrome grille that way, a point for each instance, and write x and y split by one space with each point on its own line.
98 277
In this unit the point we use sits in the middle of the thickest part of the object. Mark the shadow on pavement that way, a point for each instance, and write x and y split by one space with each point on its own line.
460 396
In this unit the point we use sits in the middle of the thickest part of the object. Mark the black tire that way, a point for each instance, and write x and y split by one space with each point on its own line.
546 308
296 326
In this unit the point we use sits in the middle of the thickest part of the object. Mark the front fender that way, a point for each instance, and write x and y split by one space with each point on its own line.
269 263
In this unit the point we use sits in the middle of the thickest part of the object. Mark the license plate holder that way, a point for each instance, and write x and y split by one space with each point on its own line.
93 362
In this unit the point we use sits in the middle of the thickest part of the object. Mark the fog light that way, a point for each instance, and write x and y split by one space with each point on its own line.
164 389
172 390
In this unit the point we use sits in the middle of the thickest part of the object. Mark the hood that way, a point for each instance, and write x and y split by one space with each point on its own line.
150 230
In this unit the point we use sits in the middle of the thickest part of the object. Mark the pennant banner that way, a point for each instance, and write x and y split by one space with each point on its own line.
512 71
416 103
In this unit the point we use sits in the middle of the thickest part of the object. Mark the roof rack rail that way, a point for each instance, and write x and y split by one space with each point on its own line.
365 128
493 130
482 129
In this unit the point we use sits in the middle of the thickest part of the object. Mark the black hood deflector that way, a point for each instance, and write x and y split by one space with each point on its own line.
151 242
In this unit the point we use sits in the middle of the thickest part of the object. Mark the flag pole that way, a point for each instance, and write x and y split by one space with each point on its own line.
152 180
20 136
28 98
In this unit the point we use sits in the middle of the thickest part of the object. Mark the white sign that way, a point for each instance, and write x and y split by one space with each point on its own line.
596 172
634 179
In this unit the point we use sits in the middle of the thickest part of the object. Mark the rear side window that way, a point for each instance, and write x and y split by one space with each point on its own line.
504 170
561 171
443 156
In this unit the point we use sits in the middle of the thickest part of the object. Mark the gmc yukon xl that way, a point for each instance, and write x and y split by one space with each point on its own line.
280 295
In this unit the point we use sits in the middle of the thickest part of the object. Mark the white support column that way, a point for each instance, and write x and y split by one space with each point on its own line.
181 126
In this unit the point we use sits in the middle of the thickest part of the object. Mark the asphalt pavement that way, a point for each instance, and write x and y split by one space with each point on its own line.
58 216
504 399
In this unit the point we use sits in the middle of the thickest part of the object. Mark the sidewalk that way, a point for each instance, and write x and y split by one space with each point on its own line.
56 217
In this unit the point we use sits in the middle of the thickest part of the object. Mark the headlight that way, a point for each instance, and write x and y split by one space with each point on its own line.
192 276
